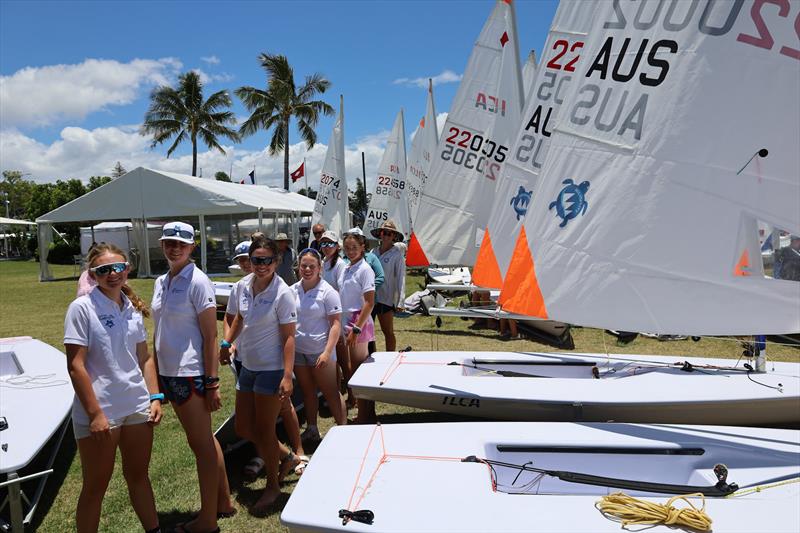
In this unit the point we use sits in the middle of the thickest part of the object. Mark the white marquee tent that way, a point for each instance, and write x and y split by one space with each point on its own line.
144 194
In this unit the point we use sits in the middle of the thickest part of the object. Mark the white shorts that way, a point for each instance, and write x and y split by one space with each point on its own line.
82 431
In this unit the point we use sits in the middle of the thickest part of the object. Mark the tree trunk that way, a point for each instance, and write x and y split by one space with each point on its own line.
286 156
194 156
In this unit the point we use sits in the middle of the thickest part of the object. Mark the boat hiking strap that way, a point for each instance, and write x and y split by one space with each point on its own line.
634 511
366 516
722 488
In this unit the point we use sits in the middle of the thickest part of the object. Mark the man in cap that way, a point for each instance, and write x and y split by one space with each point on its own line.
317 230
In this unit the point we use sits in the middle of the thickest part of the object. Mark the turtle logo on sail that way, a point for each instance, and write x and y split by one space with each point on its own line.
571 201
521 201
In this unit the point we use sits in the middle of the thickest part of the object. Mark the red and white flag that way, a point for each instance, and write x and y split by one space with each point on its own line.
299 173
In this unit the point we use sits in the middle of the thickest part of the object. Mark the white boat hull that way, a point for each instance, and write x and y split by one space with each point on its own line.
563 387
222 291
411 476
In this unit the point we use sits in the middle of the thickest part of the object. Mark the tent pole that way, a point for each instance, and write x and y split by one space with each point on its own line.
260 219
203 244
145 255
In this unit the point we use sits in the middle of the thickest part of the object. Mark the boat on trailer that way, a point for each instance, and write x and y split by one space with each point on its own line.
503 476
35 404
584 387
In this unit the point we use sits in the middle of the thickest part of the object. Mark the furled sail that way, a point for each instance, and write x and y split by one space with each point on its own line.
681 133
529 72
331 207
423 148
529 145
466 161
389 199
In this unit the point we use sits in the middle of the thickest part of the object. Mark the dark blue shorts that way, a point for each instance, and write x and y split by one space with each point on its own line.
379 309
178 390
266 382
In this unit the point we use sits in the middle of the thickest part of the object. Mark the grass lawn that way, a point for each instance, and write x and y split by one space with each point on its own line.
28 307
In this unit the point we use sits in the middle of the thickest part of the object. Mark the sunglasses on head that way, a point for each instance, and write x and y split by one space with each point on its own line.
182 233
327 244
257 260
106 269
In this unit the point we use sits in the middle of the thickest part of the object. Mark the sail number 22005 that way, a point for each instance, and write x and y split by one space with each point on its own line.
472 151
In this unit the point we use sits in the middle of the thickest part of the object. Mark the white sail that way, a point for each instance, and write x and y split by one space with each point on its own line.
331 207
529 70
467 161
682 133
423 148
529 144
389 200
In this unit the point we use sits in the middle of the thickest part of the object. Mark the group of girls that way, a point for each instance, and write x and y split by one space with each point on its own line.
278 330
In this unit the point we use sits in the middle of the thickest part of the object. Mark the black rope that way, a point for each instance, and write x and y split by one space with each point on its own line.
364 516
749 368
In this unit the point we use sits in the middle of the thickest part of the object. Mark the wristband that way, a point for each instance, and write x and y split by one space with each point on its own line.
159 397
357 330
210 381
224 344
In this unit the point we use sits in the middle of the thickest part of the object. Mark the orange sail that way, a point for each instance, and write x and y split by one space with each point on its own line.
521 293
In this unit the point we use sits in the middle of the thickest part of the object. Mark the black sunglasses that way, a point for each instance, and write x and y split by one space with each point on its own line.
104 270
327 244
257 260
182 233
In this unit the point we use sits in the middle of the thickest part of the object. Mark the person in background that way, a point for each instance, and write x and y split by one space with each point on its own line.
86 282
286 264
319 313
333 264
390 295
266 334
184 312
317 230
787 260
357 291
117 402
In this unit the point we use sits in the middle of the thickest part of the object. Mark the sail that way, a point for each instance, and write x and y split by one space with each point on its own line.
389 200
529 147
457 195
529 72
682 132
419 160
331 207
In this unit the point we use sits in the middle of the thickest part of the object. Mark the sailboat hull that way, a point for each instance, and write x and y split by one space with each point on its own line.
583 387
412 478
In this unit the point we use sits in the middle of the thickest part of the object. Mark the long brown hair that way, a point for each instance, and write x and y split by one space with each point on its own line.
104 248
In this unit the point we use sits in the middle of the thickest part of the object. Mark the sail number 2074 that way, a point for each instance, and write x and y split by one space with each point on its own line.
473 151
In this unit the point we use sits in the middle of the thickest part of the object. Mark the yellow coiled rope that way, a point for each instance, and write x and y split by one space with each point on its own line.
630 510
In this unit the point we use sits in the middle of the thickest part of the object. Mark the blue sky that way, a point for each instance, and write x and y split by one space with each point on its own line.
75 76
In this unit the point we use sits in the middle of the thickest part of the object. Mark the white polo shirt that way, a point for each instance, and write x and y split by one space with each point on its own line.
332 274
259 345
110 335
314 308
176 304
356 280
233 300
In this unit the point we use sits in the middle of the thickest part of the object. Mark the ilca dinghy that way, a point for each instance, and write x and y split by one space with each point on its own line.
517 476
610 237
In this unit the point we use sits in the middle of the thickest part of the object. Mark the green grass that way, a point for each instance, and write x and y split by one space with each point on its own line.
28 307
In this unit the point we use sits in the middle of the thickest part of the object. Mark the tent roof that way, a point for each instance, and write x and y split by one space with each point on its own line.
15 222
147 193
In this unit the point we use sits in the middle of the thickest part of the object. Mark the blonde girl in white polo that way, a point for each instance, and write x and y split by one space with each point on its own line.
265 346
319 314
357 291
117 402
185 338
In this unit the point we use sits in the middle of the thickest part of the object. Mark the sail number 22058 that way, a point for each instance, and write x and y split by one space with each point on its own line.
473 151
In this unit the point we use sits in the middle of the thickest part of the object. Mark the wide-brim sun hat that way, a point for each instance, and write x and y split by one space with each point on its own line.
281 237
388 225
242 250
177 231
331 236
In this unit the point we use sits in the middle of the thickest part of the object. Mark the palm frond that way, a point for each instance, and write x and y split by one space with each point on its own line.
178 140
278 141
314 84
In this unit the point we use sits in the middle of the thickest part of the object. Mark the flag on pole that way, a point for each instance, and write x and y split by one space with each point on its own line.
299 172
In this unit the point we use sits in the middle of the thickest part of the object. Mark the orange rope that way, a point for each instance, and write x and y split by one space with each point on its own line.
401 359
361 468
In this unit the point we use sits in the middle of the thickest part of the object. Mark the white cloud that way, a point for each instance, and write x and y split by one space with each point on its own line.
206 78
211 60
441 118
81 153
446 76
38 96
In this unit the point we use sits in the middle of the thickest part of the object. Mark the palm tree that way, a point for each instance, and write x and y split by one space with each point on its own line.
181 113
281 101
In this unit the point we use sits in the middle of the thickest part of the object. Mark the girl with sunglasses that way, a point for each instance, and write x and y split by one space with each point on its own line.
319 313
265 329
116 390
184 312
332 265
357 291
